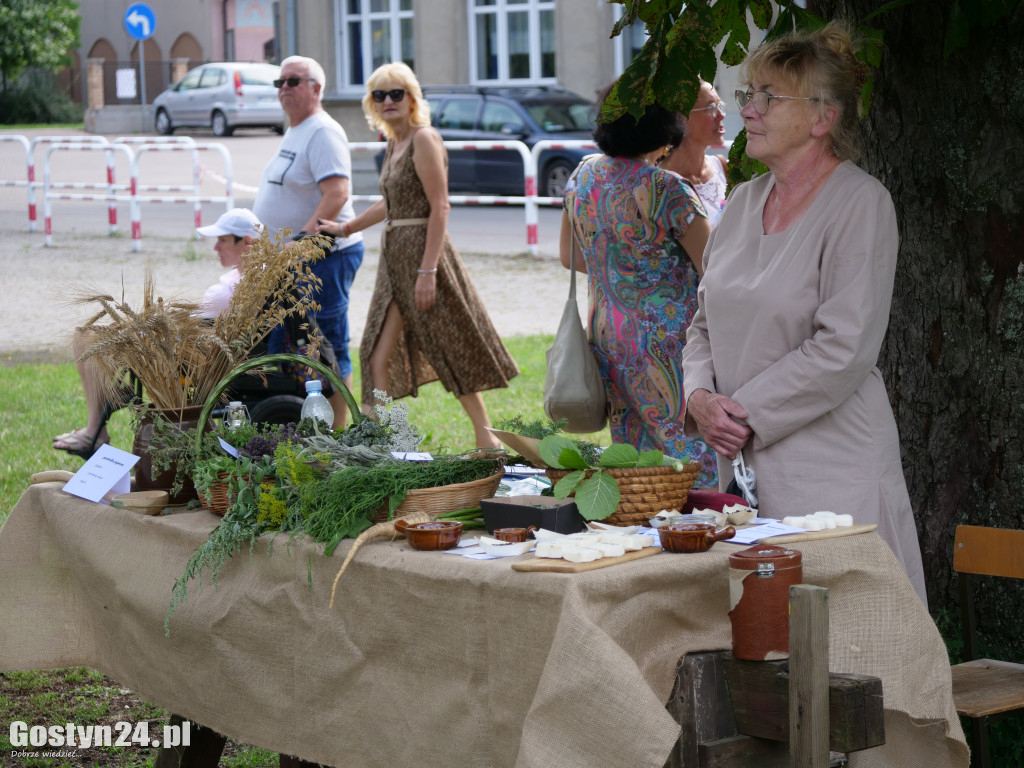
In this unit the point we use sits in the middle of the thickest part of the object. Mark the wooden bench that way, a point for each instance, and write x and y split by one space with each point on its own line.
793 712
985 690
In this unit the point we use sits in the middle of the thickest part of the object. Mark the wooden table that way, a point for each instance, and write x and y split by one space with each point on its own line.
430 658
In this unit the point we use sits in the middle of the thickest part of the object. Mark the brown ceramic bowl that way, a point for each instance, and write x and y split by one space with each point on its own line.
692 537
438 534
513 535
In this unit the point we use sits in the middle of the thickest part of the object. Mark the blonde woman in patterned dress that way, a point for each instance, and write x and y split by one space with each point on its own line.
426 321
642 232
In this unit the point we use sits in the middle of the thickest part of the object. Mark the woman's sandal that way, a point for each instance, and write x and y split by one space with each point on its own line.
80 443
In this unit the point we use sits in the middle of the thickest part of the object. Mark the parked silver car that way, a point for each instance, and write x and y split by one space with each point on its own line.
221 96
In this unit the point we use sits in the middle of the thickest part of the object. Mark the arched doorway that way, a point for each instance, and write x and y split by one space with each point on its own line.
102 49
187 47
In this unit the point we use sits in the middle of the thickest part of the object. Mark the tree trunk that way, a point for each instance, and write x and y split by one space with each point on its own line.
946 137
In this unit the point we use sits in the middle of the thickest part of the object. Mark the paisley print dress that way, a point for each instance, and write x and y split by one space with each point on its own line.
628 217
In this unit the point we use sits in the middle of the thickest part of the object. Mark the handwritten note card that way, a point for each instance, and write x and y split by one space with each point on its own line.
109 469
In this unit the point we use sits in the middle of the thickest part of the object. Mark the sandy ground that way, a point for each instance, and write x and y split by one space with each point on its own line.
524 295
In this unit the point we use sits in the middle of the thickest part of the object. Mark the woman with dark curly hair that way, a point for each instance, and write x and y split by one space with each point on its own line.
640 232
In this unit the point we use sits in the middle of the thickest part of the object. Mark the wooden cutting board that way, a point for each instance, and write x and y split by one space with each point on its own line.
564 566
828 533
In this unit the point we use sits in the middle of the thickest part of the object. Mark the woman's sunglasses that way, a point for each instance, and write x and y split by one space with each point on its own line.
396 94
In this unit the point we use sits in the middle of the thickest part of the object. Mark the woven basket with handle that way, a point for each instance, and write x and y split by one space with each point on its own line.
645 491
215 498
444 498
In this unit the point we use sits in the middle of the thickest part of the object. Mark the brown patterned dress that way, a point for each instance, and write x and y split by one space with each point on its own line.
454 341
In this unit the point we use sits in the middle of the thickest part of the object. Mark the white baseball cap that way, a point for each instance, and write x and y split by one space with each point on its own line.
238 222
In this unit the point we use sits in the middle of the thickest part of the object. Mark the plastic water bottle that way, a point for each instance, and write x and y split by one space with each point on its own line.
316 406
237 415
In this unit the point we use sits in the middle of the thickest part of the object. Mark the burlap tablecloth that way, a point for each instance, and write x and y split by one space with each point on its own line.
430 659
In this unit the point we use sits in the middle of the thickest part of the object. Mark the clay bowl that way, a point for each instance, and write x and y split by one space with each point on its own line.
513 535
431 536
692 537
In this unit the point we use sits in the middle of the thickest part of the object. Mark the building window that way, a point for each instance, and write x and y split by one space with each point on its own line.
512 40
628 43
372 32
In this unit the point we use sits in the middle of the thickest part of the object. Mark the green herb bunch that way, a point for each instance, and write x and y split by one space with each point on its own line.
538 429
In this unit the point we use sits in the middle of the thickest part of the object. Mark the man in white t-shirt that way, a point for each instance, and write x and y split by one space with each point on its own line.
306 180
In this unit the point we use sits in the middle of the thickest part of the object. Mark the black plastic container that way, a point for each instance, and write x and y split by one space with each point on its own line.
559 515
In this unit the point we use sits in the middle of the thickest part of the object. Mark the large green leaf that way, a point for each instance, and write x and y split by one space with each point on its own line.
598 496
551 448
564 487
651 459
619 455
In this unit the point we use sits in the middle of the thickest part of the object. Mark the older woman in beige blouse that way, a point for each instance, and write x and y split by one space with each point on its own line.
780 359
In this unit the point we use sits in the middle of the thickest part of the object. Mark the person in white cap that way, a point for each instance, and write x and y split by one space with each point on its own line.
235 231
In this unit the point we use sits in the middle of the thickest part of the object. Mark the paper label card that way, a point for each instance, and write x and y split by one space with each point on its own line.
228 448
109 469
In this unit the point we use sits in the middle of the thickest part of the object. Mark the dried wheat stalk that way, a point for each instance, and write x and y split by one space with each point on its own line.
180 356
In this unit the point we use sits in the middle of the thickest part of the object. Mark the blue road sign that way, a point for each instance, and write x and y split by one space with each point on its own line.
140 21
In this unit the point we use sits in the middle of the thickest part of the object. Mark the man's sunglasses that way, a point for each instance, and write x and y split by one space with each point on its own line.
396 94
293 82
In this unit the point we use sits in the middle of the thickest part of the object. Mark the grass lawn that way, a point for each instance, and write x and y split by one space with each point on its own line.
42 400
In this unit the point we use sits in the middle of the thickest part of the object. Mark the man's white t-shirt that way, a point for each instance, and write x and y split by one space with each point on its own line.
310 152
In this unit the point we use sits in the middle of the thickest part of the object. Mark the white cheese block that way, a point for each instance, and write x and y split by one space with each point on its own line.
549 548
844 521
580 554
608 549
794 521
824 514
638 541
814 524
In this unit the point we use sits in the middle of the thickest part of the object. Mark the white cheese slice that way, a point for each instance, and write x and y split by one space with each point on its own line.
580 554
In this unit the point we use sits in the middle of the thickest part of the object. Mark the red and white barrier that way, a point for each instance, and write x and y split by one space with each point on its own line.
30 172
111 197
196 198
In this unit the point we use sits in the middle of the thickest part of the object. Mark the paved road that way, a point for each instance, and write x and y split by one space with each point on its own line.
523 295
475 229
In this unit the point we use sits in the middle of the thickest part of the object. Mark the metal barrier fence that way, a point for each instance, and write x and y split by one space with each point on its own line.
134 193
109 191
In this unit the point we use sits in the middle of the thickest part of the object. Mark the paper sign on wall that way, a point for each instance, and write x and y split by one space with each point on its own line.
108 470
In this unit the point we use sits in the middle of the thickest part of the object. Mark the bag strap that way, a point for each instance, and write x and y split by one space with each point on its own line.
572 255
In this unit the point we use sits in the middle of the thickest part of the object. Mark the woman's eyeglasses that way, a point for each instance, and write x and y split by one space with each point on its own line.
396 94
293 82
762 99
716 106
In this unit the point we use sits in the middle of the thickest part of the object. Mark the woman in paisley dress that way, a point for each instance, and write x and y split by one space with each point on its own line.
705 127
426 321
642 232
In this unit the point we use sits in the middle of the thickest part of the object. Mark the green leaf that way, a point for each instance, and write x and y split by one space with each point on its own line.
551 448
564 487
650 459
572 459
619 455
598 496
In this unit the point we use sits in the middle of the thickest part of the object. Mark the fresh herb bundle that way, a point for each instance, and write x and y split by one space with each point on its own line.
538 429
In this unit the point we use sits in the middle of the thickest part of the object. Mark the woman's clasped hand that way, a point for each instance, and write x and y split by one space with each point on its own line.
717 419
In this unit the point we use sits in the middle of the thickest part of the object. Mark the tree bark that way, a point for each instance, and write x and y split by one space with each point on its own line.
946 137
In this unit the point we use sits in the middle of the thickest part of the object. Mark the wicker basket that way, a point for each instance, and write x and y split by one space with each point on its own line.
443 498
645 491
215 498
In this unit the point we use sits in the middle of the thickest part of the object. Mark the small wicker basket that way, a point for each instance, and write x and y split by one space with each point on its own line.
443 498
215 498
645 491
